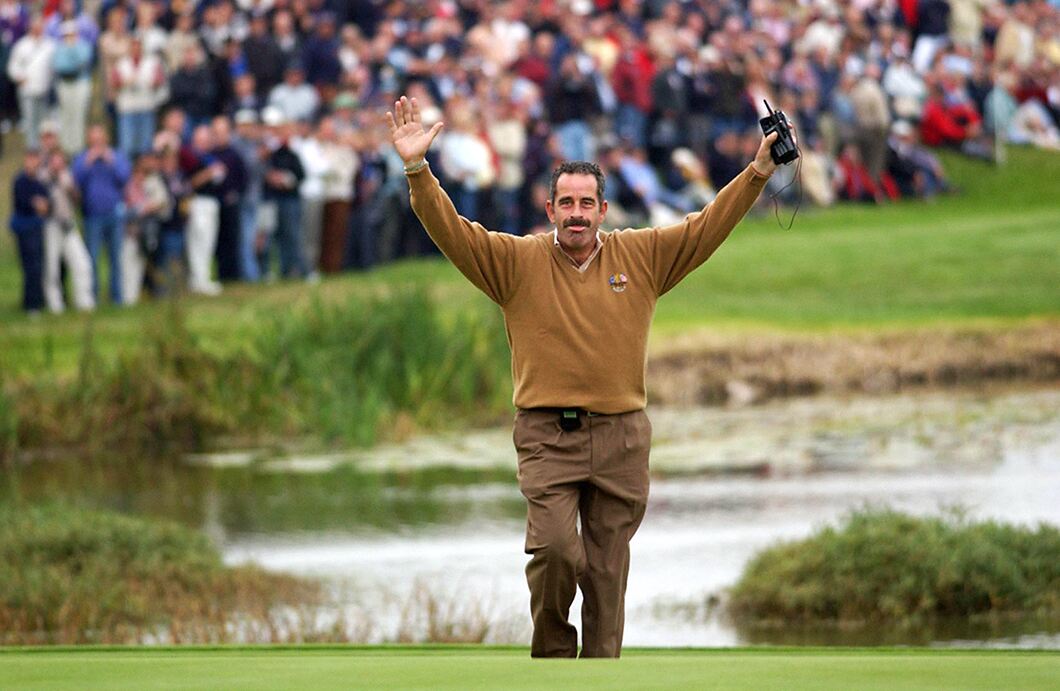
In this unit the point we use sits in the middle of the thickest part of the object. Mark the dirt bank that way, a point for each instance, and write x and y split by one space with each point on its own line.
751 369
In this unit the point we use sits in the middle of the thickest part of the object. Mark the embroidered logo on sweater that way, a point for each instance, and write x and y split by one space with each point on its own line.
618 282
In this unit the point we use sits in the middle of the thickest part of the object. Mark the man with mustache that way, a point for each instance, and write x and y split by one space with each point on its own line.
577 305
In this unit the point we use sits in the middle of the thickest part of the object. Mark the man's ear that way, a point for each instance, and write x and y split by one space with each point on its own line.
603 210
551 212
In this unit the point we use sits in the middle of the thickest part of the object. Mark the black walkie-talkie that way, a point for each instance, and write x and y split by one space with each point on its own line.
784 149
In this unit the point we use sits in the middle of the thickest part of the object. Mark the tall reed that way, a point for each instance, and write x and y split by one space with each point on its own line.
349 373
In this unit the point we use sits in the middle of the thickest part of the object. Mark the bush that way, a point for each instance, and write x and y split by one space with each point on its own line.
349 373
78 576
885 566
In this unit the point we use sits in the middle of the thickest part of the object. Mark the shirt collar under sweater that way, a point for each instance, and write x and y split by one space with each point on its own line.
584 265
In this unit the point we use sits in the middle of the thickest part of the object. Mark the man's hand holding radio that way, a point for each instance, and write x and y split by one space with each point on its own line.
763 163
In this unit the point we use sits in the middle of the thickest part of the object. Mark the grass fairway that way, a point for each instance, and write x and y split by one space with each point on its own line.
318 668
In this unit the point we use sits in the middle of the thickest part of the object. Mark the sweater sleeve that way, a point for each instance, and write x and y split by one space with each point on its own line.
486 258
678 249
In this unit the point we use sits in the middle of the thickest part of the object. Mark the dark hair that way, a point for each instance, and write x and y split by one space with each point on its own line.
577 168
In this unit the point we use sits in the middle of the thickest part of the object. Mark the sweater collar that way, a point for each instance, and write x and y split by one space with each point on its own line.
584 265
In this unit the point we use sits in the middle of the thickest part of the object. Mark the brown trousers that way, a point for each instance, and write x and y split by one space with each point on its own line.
598 473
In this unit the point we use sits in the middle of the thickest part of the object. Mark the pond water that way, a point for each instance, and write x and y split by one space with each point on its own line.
437 523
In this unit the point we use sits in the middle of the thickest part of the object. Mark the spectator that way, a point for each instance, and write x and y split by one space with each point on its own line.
465 158
264 58
30 209
146 204
171 246
854 182
670 110
30 68
84 25
139 86
230 190
507 135
114 45
183 37
915 170
294 98
63 245
572 100
931 27
14 21
631 80
872 118
953 123
697 190
204 173
101 174
320 56
286 37
153 37
283 176
193 89
244 95
247 141
905 88
73 88
340 169
311 190
1014 45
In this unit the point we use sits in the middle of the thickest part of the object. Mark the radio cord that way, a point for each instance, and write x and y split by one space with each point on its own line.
776 195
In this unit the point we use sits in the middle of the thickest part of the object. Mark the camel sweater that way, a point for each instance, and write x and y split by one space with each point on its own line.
579 337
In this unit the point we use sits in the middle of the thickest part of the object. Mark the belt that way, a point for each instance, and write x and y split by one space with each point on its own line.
570 419
561 411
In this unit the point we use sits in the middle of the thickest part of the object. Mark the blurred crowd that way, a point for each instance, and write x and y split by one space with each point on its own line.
243 140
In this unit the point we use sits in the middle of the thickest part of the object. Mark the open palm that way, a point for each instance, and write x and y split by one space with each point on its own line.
410 139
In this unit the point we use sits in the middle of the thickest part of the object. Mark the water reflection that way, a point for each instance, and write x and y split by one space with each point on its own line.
726 483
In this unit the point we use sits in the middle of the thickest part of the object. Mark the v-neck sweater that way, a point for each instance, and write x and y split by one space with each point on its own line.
580 338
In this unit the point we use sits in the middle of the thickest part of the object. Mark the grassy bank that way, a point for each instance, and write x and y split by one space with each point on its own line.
463 668
961 289
887 567
987 257
77 576
350 373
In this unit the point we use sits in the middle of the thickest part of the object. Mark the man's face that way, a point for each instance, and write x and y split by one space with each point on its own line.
31 162
576 212
97 137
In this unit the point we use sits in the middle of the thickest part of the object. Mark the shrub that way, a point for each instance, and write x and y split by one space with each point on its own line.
885 566
78 576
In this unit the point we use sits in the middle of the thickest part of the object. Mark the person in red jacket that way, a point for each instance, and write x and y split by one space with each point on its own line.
953 124
631 80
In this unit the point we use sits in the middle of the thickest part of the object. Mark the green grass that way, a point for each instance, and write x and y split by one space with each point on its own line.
883 566
352 372
71 575
988 255
292 669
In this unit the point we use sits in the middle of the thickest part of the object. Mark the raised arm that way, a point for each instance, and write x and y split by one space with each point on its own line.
487 259
678 249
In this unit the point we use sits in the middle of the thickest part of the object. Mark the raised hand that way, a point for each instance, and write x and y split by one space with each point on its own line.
763 162
410 140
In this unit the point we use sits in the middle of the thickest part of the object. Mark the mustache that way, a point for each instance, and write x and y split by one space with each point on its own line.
574 221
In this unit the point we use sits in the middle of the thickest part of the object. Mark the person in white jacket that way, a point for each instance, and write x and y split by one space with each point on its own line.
30 68
139 82
63 244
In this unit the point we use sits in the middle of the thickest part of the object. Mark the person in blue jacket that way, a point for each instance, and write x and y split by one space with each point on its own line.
29 211
101 173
